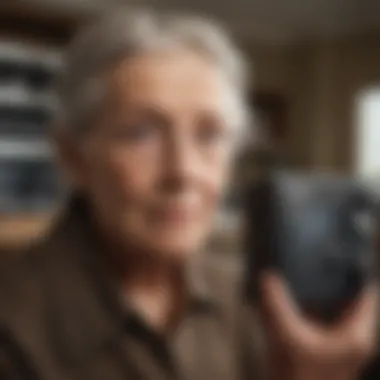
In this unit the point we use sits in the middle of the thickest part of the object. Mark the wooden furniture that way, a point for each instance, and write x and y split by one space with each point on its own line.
36 26
21 229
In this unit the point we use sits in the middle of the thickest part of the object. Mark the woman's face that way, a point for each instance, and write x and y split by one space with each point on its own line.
157 158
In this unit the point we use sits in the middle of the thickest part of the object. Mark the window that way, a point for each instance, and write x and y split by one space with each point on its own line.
367 160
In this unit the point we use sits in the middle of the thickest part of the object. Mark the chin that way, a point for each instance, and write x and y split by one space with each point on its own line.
177 250
169 244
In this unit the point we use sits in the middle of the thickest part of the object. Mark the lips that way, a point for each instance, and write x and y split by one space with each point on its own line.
179 214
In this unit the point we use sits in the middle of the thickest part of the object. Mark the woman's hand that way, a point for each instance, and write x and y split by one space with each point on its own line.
305 350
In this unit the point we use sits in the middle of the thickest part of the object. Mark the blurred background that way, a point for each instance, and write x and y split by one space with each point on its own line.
315 89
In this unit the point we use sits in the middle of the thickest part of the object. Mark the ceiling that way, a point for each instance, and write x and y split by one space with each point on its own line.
265 21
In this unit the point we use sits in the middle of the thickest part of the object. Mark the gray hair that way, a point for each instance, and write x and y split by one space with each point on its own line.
125 33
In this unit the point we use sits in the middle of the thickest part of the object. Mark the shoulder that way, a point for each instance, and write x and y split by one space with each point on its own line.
228 275
225 274
225 280
19 276
19 273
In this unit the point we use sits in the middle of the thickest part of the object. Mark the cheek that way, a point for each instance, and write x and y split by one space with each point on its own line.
123 175
218 173
119 186
215 185
215 182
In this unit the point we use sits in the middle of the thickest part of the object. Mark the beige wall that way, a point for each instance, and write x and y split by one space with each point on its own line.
320 83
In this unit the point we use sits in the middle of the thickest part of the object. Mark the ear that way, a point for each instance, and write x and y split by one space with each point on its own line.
70 158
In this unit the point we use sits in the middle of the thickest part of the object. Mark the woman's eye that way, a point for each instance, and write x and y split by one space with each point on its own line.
211 134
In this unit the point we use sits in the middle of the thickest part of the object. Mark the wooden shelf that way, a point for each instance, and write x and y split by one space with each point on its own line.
39 23
19 230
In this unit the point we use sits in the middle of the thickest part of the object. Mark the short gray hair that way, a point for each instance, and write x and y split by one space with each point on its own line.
128 32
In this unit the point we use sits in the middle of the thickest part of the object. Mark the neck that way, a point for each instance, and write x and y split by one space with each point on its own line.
155 288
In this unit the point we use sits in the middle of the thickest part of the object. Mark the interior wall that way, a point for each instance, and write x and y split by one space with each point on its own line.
288 71
320 83
359 70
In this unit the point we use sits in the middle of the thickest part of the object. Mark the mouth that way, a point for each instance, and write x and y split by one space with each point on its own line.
176 215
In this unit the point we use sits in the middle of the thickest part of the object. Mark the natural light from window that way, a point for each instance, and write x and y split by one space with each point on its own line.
368 137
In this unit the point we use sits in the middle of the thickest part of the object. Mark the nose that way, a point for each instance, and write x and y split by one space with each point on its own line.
182 163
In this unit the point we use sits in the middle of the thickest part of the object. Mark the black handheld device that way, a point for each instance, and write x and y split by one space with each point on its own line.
318 231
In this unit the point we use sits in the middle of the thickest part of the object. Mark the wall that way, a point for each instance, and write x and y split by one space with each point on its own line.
288 71
345 68
320 82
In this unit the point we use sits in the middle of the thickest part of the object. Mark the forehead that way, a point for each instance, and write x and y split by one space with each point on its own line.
172 79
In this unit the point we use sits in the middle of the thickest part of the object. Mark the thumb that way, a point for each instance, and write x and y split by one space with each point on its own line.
361 325
284 315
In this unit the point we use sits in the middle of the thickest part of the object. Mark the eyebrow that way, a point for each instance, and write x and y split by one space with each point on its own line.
138 108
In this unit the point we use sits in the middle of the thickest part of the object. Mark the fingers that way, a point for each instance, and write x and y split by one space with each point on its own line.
367 305
353 339
363 313
285 316
362 323
277 300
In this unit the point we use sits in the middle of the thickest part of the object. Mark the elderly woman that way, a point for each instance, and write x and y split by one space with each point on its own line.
151 114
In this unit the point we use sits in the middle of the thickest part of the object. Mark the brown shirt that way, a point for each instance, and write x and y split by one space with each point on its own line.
61 319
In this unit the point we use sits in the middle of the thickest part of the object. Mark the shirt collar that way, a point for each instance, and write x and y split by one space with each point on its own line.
83 311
